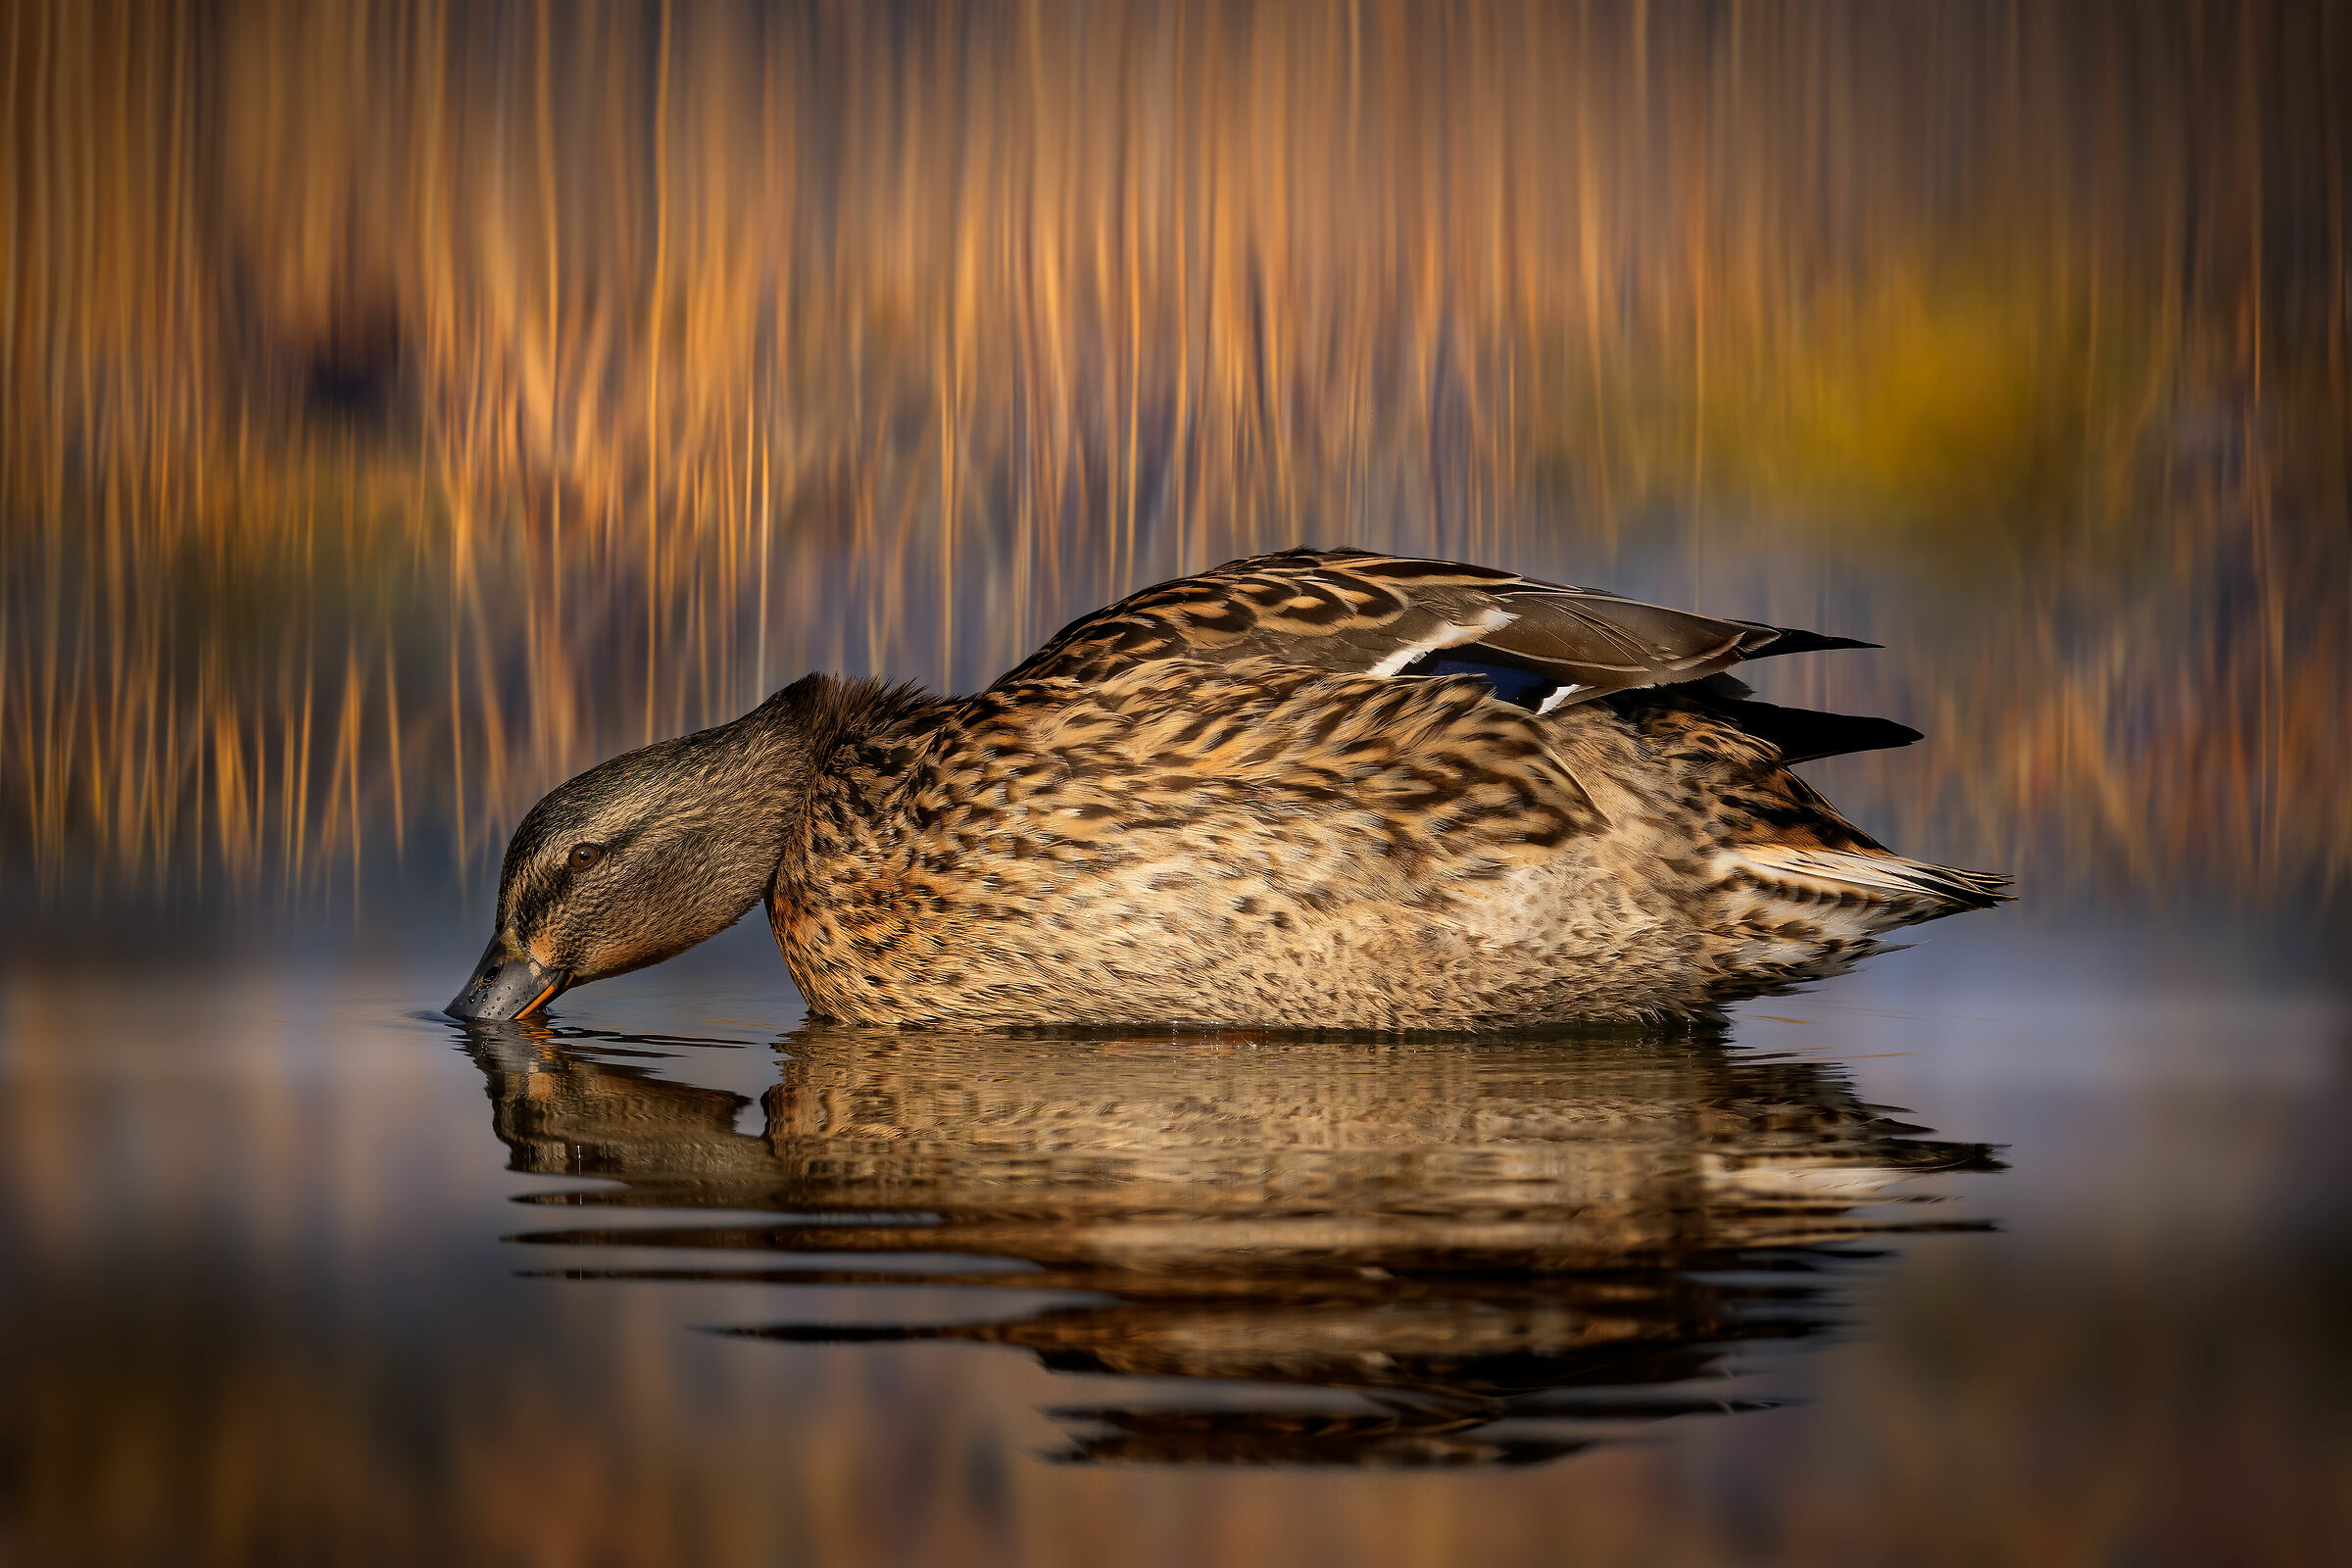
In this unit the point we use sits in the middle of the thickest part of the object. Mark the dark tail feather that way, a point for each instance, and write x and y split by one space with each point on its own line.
1804 734
1791 640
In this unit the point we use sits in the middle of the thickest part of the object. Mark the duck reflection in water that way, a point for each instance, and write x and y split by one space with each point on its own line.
1366 1250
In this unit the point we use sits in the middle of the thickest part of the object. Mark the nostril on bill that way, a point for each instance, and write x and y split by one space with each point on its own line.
504 985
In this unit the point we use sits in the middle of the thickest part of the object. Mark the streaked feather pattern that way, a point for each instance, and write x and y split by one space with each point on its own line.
1334 788
1353 611
1847 873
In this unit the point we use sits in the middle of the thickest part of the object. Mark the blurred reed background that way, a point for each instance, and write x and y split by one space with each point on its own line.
408 403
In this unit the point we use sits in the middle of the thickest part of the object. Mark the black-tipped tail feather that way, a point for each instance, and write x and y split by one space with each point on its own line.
1795 640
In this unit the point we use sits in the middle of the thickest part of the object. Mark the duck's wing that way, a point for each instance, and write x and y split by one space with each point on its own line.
1539 644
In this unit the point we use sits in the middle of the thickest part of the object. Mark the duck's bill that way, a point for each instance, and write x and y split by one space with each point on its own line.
506 987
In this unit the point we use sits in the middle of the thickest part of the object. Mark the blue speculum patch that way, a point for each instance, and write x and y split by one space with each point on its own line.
1512 683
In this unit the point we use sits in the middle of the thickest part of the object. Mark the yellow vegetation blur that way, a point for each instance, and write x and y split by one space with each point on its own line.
1915 407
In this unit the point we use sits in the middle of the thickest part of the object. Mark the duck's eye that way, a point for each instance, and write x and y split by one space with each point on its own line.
584 856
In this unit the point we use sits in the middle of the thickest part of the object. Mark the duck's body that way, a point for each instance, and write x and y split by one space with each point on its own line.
1288 793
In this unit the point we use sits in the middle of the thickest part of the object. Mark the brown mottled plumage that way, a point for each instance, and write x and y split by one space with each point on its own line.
1315 790
1353 611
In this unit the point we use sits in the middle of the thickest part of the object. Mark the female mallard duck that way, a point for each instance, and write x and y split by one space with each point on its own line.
1325 789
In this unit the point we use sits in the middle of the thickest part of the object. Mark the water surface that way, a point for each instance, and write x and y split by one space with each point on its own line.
303 1272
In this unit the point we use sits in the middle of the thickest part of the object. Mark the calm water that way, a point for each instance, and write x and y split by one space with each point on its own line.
299 1270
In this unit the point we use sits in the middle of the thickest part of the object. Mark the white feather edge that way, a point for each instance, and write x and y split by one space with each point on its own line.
1848 871
1447 636
1560 696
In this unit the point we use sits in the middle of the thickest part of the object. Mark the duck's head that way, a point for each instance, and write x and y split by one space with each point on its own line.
631 862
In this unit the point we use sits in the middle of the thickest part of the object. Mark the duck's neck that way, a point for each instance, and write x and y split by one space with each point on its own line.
757 771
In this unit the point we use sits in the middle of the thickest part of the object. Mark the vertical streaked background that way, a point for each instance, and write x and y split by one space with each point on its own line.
407 404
